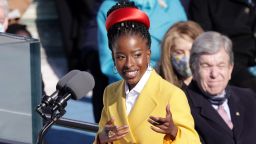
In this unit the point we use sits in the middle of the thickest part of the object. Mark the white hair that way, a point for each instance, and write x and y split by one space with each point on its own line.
209 43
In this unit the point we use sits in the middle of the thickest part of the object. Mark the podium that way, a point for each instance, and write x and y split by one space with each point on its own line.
20 89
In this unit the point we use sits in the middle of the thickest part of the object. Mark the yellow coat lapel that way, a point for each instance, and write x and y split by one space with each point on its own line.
145 103
118 110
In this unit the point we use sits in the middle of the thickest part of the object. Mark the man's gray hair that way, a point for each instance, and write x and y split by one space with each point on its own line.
210 43
4 6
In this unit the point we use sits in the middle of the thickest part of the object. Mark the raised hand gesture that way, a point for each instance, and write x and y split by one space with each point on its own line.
164 125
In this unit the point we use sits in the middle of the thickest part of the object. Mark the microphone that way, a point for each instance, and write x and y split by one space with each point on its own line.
48 100
75 85
76 88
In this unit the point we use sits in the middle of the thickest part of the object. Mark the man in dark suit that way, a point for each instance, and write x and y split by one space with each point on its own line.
223 114
237 20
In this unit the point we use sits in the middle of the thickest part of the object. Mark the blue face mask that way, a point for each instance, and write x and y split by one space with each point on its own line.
181 66
1 27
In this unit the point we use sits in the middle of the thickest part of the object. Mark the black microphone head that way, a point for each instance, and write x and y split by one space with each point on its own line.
80 84
63 81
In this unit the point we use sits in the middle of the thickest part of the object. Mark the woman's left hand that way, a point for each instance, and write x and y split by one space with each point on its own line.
164 125
112 132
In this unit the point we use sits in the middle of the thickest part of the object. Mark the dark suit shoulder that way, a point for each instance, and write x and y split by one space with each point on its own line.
194 95
242 90
241 95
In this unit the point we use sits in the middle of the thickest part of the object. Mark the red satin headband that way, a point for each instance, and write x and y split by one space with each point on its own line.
127 14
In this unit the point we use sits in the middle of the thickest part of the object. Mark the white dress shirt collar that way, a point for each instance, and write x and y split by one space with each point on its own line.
132 95
226 107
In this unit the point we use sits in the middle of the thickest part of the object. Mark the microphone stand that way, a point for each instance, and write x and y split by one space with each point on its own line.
56 115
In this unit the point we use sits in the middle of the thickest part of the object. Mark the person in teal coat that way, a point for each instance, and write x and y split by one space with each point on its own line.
162 15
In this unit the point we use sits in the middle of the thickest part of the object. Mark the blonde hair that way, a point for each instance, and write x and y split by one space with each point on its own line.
188 29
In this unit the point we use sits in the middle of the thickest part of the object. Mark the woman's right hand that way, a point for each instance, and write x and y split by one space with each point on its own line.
112 132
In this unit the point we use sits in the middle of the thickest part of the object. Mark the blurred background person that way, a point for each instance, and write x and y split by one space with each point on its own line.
223 114
124 118
4 9
175 48
185 4
74 19
79 38
16 9
236 19
19 29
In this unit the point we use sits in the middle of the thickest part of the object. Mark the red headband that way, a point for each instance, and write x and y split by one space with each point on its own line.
127 14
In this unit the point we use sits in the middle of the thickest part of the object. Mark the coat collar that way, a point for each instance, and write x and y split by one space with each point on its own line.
236 110
141 110
145 103
118 110
206 109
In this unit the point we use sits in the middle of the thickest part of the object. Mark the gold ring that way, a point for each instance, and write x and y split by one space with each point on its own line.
110 134
155 123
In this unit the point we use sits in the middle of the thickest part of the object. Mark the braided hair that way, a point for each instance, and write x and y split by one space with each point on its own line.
126 27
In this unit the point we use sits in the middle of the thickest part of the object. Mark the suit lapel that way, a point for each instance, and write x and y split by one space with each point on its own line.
210 113
206 109
236 111
118 111
145 103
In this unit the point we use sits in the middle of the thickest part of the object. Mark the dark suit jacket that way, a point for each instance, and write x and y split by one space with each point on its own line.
237 20
211 127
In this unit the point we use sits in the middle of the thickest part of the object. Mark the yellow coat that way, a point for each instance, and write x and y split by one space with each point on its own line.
153 99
